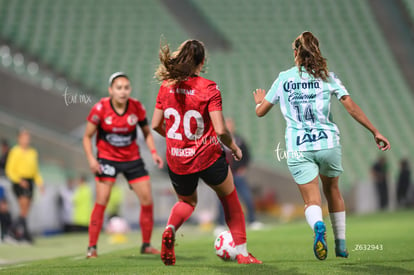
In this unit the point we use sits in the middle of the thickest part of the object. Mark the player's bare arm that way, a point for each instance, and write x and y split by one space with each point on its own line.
262 105
356 112
149 139
223 133
87 146
157 123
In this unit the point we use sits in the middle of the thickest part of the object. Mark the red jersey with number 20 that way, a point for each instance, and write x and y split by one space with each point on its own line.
117 133
192 143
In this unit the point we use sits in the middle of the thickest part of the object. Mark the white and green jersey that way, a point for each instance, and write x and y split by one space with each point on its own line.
305 104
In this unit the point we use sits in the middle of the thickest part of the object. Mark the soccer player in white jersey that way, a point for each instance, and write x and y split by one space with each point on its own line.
312 139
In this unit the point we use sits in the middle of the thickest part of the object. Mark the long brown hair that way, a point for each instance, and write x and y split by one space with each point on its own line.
181 64
309 56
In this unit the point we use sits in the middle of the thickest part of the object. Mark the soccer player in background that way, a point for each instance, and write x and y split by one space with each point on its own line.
239 169
312 139
403 183
22 169
5 149
82 204
5 217
188 113
75 202
380 174
114 120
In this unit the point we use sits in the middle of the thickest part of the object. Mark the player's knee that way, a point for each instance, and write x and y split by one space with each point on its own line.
146 200
192 202
330 188
102 200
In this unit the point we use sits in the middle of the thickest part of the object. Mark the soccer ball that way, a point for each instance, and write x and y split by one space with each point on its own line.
117 225
225 247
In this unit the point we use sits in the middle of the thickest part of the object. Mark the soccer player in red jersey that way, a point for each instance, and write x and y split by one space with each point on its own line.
188 113
114 119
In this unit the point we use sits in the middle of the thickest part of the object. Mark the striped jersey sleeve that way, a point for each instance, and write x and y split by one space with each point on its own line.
336 87
273 95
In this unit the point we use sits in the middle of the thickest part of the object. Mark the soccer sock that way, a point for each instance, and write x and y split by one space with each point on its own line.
338 224
26 232
313 214
235 220
95 224
180 212
146 222
21 227
242 249
21 222
5 222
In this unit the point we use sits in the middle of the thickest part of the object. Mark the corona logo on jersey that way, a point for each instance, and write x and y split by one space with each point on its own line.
290 86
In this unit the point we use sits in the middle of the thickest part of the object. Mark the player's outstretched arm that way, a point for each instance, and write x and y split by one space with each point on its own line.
224 135
262 105
87 146
149 139
356 112
157 123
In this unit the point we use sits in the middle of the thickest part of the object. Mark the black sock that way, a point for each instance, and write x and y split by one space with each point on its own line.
5 221
144 245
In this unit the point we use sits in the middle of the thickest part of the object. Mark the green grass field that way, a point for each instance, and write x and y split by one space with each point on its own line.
284 249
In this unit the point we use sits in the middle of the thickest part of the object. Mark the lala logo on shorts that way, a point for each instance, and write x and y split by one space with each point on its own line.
132 120
108 120
311 137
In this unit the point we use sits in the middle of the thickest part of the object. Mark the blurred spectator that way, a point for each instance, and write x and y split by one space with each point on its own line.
403 183
5 218
3 157
114 205
75 201
239 169
82 205
380 174
65 204
22 169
